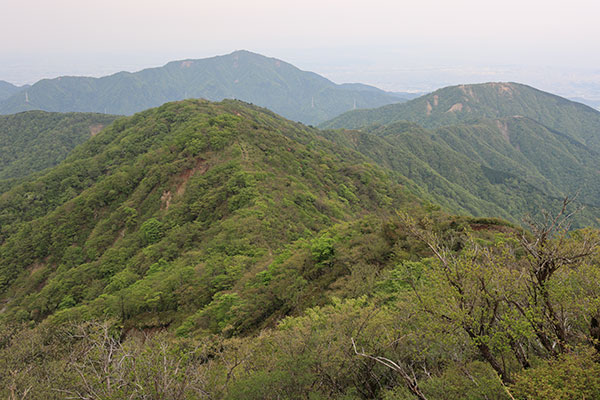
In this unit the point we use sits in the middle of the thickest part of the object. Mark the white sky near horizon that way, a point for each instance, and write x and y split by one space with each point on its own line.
341 39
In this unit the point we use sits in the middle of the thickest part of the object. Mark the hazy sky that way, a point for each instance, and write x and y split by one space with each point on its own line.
344 40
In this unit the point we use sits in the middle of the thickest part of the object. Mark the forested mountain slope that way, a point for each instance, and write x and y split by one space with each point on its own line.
509 167
216 250
490 149
35 140
268 82
191 195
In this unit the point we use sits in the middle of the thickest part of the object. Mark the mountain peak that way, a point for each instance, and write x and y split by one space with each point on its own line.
246 52
473 92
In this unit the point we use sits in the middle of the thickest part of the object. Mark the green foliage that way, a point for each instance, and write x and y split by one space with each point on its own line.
571 376
321 249
67 302
151 231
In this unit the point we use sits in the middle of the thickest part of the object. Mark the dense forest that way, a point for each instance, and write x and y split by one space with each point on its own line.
35 140
206 250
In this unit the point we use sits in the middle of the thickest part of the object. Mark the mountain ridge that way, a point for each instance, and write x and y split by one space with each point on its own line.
203 249
268 82
509 142
226 182
467 103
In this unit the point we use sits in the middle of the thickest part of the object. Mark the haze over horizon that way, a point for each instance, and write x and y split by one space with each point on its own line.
408 46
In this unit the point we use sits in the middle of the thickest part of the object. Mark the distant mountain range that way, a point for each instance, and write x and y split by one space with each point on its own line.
483 149
496 149
217 250
268 82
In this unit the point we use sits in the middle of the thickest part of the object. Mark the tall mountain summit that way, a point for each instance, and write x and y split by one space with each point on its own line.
268 82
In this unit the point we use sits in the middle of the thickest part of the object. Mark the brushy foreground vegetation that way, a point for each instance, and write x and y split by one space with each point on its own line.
430 308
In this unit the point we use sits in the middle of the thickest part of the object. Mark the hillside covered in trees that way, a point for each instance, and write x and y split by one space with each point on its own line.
33 141
218 251
511 150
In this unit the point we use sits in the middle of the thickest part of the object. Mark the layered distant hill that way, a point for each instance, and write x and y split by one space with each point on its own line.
34 140
498 149
491 149
268 82
7 90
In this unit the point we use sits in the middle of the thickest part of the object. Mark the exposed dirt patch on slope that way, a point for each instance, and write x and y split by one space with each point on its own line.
120 235
503 127
35 267
467 90
182 179
458 107
504 89
95 129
